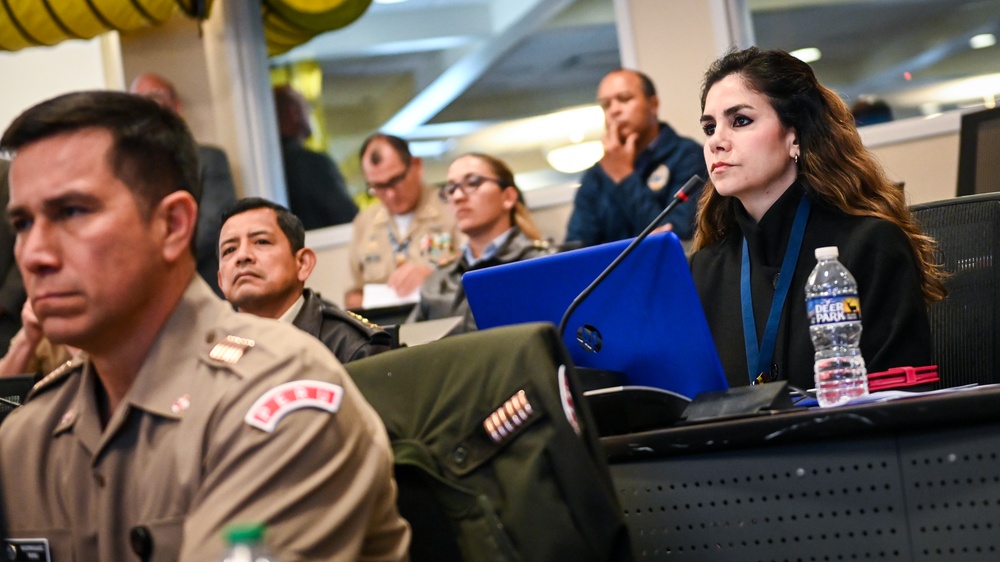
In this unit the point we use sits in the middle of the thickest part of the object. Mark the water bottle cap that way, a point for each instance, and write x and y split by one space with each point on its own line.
827 253
244 533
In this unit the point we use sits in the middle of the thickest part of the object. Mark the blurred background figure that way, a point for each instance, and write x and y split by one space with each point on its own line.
12 293
30 352
217 189
317 192
489 209
399 240
871 111
644 164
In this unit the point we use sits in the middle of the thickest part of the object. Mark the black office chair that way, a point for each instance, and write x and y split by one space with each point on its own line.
965 326
495 454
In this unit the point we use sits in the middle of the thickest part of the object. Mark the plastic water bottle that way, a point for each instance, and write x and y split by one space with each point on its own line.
245 543
835 327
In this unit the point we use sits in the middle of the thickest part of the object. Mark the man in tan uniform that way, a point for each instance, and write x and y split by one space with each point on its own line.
181 416
400 239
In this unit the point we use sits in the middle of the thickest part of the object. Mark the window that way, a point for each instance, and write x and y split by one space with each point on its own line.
921 57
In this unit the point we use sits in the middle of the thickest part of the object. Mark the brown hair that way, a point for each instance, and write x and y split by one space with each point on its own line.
834 166
519 215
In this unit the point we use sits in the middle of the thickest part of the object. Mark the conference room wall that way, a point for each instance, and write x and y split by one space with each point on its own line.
928 166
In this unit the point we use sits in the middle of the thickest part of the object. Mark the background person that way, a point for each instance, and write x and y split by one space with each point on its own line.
263 267
775 137
30 352
12 294
871 111
217 188
400 239
489 210
317 192
645 162
183 415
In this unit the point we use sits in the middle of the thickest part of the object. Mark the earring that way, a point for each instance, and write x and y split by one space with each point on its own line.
796 158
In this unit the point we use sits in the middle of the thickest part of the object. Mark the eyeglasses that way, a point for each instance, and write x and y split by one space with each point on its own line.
468 184
391 184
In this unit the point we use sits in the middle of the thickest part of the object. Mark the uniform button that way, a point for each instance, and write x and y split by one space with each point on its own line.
142 542
460 456
99 479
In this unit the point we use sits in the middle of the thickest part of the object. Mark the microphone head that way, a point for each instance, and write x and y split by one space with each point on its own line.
688 188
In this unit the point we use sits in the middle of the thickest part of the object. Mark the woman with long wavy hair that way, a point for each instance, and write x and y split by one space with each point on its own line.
789 174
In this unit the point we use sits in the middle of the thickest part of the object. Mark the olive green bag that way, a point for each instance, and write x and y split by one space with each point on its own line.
506 459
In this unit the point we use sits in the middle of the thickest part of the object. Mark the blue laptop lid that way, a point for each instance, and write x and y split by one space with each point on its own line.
645 320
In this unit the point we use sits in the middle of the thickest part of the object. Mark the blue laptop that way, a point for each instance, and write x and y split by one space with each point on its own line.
645 320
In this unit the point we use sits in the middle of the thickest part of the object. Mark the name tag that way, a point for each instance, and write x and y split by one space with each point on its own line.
35 550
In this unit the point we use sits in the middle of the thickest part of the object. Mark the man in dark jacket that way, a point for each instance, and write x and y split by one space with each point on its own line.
317 192
218 190
263 268
644 164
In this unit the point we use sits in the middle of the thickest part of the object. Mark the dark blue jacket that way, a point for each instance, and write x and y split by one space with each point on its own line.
604 211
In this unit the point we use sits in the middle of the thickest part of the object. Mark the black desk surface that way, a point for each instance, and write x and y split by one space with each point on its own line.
809 425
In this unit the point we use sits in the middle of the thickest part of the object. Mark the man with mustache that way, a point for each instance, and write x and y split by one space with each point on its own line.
263 268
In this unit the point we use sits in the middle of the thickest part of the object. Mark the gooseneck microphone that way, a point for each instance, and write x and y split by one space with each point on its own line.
681 196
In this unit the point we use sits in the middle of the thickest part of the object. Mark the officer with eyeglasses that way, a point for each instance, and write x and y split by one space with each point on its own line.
399 240
489 210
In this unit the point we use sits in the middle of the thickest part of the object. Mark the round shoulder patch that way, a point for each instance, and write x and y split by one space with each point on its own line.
659 178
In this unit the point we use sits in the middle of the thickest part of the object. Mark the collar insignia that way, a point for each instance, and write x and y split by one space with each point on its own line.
181 404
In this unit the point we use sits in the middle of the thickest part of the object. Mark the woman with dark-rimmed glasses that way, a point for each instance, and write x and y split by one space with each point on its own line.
489 210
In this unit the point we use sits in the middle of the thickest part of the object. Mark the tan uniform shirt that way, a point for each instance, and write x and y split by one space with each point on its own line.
378 247
181 458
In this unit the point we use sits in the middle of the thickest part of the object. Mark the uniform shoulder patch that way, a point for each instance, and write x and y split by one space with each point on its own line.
267 411
58 374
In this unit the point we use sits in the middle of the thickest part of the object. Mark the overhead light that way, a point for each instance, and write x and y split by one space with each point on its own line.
574 158
430 148
983 40
807 55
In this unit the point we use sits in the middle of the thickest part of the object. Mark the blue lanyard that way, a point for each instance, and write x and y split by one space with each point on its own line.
759 358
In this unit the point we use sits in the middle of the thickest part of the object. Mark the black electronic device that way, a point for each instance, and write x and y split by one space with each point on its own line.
979 152
13 391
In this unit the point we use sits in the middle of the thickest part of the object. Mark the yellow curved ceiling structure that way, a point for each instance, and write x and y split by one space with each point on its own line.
287 23
31 23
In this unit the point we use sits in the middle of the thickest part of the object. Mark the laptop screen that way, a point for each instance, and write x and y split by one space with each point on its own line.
645 320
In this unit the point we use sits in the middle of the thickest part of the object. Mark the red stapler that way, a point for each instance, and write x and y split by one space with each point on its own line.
902 377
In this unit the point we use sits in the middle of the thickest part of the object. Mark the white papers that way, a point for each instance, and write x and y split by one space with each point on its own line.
417 333
378 295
